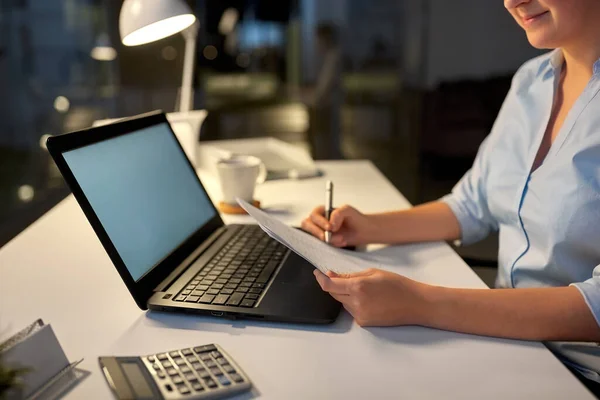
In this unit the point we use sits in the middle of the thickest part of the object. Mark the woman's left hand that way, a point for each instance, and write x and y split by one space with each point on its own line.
378 298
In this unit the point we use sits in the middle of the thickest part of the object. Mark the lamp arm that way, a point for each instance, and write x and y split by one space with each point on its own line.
187 90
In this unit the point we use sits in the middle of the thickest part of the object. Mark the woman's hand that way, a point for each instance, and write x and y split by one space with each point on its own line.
349 227
378 298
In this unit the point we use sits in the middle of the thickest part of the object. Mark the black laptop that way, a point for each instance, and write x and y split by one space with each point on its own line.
167 240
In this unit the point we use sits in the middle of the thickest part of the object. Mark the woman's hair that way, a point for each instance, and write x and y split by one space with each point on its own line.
328 33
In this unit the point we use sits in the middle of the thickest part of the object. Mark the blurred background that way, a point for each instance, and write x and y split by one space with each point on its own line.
413 85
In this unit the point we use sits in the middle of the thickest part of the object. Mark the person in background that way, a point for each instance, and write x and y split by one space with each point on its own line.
536 180
327 99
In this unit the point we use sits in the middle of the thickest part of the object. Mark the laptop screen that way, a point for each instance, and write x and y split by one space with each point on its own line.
144 193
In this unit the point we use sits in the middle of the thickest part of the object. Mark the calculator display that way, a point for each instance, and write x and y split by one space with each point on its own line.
137 380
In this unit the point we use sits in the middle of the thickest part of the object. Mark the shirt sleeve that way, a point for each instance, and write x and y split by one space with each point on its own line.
468 200
590 290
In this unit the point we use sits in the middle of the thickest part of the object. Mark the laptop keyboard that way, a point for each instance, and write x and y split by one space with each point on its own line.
239 273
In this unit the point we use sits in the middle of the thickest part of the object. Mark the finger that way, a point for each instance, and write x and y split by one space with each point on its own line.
319 219
331 286
359 274
338 240
338 216
310 227
342 298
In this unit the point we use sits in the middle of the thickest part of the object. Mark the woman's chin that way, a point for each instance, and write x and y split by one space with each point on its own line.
542 40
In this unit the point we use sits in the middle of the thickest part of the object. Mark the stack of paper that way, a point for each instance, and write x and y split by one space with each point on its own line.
323 256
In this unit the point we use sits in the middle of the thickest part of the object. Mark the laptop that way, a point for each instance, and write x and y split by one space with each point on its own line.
155 220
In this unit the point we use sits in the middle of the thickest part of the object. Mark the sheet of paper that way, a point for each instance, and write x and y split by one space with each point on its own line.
323 256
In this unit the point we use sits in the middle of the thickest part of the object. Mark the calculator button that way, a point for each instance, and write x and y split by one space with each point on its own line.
210 383
183 389
227 291
242 290
205 357
229 369
186 292
204 374
197 386
251 296
197 366
198 293
190 376
215 354
162 356
222 361
237 378
187 352
174 354
202 349
156 367
247 303
177 379
172 371
192 359
203 287
167 364
179 361
185 369
181 297
213 292
216 371
211 364
255 291
160 374
151 359
223 380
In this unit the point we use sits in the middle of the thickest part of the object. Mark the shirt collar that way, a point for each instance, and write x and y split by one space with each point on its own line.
551 63
556 60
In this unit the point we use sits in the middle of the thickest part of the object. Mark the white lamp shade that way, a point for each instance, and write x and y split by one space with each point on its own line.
145 21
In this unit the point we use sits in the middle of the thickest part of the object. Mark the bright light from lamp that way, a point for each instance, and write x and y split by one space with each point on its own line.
228 21
62 104
43 139
26 193
169 53
210 52
103 53
159 30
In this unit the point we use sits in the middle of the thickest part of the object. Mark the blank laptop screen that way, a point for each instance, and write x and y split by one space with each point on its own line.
144 193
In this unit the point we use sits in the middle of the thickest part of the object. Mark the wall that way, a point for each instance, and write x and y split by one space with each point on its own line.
473 39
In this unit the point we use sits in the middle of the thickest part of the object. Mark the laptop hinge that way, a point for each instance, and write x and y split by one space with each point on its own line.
190 259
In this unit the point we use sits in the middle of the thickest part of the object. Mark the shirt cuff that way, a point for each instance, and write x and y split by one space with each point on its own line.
469 226
590 290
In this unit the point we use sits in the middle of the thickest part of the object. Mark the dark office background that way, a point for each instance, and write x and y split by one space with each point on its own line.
423 82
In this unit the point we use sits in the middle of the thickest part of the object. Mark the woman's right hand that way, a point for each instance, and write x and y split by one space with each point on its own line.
349 227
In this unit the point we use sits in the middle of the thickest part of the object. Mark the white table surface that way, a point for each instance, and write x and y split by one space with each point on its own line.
57 270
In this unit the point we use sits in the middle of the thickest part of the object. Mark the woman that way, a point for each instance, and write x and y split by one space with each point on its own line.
536 179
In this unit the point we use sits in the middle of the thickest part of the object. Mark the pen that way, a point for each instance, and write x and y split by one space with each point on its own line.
328 206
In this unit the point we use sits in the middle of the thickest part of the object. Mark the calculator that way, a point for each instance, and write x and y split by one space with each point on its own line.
202 372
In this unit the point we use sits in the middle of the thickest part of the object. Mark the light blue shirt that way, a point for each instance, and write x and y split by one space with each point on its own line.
548 220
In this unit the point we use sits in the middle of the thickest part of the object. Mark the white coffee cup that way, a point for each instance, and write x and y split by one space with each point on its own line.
239 175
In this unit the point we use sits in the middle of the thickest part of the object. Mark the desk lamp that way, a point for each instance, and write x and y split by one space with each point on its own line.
146 21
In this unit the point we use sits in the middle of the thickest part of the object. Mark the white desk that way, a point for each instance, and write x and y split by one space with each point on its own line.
57 270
